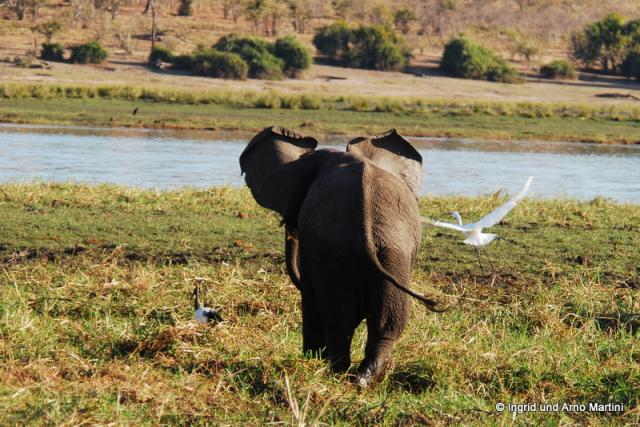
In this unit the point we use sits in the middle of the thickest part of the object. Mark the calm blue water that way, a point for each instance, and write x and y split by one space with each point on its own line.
170 159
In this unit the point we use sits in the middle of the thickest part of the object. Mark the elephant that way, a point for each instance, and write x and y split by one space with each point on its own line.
352 233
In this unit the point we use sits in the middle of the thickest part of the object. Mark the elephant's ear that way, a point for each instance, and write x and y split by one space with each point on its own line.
273 171
392 153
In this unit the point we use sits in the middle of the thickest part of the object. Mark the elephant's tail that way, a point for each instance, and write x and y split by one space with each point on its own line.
428 302
292 255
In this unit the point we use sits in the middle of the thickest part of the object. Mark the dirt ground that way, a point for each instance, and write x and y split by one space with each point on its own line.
182 34
329 80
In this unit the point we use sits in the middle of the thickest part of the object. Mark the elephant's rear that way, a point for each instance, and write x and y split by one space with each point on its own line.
356 208
358 227
355 220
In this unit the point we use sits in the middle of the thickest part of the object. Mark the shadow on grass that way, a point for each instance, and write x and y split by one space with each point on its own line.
413 378
9 256
608 322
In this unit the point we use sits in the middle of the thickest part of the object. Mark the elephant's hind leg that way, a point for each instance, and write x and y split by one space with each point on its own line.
313 335
385 323
336 298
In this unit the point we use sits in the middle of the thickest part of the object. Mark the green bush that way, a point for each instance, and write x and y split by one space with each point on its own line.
257 53
294 55
466 59
377 48
52 52
183 62
213 63
374 47
559 69
631 64
90 53
606 41
161 53
333 41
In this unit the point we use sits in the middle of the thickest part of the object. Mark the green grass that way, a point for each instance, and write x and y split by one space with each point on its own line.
96 318
245 110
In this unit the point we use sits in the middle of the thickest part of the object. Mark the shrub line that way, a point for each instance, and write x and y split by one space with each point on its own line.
272 100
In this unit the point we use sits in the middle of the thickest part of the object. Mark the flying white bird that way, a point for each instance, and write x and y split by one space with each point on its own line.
203 314
473 231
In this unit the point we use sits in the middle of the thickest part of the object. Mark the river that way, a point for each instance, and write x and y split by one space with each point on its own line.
172 159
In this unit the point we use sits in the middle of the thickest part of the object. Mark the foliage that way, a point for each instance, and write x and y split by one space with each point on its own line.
402 18
89 53
631 64
526 48
48 29
464 58
606 41
559 69
52 52
161 53
182 62
256 52
294 54
213 63
333 40
235 57
374 47
377 48
185 8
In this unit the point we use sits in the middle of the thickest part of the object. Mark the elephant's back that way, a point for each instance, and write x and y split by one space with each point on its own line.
393 213
333 209
353 203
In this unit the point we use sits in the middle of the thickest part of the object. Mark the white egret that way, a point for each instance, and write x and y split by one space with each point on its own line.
473 231
203 314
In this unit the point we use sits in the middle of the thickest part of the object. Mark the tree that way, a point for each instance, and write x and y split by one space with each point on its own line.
20 7
333 40
402 18
152 5
256 10
274 13
233 8
300 14
83 11
47 29
606 41
113 7
185 8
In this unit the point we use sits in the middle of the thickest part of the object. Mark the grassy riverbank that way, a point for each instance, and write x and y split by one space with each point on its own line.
246 110
96 319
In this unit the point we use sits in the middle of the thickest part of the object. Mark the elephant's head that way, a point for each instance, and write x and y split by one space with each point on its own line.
278 181
279 165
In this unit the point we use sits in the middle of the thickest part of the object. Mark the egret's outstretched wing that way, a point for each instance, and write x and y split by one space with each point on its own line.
443 224
496 216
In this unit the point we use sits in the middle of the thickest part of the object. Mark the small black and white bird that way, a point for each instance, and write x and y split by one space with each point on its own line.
203 314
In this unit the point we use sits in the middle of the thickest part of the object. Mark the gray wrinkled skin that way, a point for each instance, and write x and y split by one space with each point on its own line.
352 232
